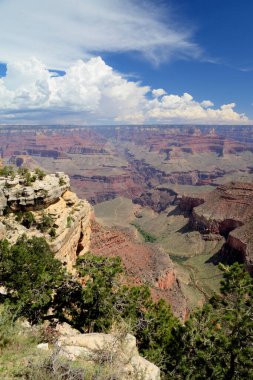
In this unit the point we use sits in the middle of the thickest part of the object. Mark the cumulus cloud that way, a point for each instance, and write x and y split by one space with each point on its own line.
158 92
92 92
59 32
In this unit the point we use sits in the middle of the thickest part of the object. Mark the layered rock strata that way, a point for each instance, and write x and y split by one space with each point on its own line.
228 211
68 234
144 264
20 196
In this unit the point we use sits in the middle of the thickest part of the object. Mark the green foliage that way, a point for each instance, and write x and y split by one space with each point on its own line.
30 273
28 179
56 368
45 223
61 181
7 328
52 232
217 341
69 221
148 238
100 275
103 300
40 174
27 219
22 171
7 171
19 217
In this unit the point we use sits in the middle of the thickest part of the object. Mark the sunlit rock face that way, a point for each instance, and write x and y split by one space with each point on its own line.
143 264
69 218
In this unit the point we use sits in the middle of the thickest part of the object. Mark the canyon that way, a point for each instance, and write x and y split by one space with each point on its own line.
70 229
109 161
187 186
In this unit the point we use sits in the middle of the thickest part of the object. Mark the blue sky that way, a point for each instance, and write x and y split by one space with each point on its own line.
116 54
224 30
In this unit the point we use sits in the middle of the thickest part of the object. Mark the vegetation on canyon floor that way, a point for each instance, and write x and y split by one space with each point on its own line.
215 343
148 238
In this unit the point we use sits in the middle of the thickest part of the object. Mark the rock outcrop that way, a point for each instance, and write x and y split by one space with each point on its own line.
228 211
69 218
158 199
119 352
20 196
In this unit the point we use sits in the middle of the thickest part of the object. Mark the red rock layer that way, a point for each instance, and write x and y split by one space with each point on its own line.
143 264
228 210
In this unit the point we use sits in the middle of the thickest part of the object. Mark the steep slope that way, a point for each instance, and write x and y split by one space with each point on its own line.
228 211
144 264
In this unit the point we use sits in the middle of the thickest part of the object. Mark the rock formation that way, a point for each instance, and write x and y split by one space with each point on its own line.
20 196
68 232
116 352
228 211
119 352
158 199
106 162
144 264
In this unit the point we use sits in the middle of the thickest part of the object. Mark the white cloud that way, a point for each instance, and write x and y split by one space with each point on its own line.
158 92
207 103
92 92
59 32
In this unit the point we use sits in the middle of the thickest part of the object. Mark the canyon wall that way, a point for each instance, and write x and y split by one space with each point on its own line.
228 211
144 264
110 161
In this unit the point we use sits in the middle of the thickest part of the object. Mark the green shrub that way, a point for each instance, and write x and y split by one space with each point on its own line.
22 171
7 171
52 232
217 340
28 179
57 368
61 181
45 223
30 274
69 221
40 174
28 219
148 238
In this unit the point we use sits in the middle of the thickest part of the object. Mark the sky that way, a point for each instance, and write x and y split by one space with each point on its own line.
126 62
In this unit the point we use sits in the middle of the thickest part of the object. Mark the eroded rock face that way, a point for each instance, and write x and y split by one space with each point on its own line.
39 194
73 222
228 211
144 264
104 162
188 202
120 352
158 199
70 217
99 188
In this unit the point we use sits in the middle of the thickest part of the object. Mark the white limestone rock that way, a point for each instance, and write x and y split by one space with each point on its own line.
120 353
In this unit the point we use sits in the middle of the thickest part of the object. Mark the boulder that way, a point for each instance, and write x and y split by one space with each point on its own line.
120 352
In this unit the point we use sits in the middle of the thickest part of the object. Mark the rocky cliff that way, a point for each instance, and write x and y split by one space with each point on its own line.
228 211
46 207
